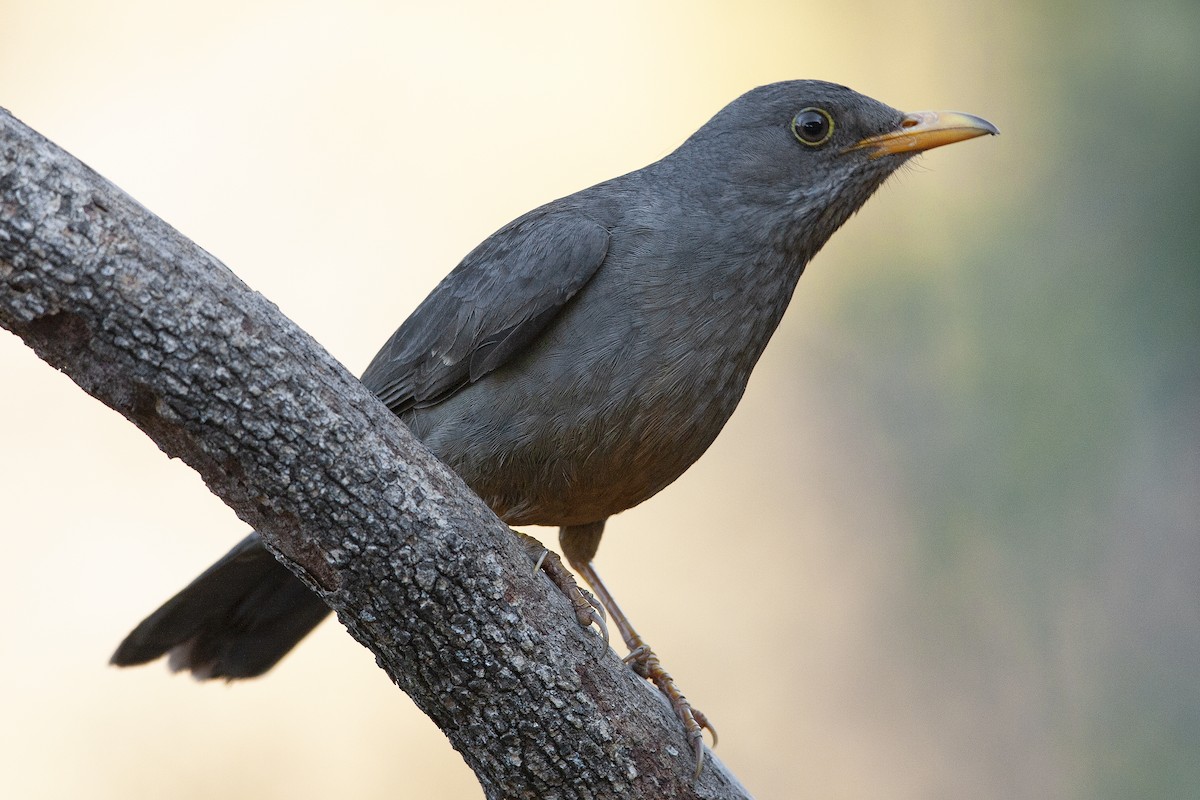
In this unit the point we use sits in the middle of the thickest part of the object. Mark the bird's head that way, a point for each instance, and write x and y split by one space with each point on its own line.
805 155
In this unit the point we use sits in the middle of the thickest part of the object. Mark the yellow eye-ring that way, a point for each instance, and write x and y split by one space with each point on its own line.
813 126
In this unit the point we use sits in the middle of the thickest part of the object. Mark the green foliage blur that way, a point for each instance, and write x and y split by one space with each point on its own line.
1042 404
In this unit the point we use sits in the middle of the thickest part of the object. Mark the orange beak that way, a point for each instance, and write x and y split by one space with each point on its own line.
925 130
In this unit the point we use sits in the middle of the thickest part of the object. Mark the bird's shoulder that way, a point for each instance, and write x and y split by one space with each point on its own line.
491 306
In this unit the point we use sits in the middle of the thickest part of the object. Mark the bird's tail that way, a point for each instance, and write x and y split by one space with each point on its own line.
236 620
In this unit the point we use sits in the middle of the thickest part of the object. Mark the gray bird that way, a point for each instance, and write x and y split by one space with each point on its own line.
587 353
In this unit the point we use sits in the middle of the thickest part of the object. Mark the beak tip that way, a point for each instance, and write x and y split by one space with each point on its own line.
985 126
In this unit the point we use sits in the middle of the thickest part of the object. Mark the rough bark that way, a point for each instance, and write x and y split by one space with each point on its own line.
417 568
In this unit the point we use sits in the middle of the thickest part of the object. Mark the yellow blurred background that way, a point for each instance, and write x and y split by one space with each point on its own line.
948 546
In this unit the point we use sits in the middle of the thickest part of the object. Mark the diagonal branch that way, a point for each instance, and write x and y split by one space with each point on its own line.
417 568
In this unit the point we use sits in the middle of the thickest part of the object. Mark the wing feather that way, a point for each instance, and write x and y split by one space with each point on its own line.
489 308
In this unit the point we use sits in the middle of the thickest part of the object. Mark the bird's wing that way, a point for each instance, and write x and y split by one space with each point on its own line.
494 303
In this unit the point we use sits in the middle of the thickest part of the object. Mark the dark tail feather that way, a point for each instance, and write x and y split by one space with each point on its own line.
236 620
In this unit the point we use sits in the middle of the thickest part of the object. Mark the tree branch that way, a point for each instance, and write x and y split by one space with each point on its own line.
417 568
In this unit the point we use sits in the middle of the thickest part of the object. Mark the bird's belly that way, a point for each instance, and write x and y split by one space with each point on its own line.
535 463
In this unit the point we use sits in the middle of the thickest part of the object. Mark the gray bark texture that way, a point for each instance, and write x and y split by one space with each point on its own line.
417 568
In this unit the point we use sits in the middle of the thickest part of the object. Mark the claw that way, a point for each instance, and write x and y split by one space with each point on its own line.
636 657
537 565
598 621
703 722
697 738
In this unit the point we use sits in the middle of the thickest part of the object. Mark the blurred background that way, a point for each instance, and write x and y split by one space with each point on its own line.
949 545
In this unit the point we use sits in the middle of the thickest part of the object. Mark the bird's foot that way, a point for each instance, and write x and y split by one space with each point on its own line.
588 610
645 663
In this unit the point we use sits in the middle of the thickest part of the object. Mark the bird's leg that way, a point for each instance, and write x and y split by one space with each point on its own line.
588 610
579 544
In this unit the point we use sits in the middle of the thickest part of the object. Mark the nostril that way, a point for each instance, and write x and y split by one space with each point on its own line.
909 122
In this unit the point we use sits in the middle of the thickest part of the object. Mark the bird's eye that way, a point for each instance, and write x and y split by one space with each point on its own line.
813 126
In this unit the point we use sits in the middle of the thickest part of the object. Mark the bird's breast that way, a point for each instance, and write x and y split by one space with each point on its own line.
610 406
